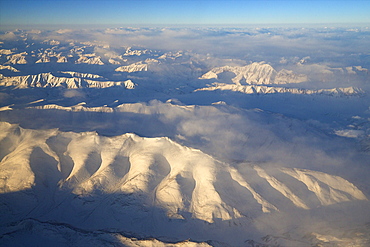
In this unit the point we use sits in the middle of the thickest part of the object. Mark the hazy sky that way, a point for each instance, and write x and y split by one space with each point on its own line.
143 12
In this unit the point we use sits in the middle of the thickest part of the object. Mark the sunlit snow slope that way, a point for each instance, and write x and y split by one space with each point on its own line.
124 178
172 177
185 137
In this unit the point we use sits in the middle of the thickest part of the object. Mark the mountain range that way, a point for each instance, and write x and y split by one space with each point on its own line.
184 137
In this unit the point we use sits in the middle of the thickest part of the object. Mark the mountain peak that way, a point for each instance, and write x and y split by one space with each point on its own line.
255 73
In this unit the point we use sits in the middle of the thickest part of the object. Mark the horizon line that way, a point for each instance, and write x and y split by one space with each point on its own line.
11 27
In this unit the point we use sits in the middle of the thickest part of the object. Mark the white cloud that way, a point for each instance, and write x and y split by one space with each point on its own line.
350 133
71 93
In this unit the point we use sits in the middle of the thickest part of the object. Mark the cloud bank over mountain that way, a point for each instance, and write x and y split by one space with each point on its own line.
186 136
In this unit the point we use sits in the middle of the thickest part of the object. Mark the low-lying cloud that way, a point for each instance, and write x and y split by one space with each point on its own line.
246 43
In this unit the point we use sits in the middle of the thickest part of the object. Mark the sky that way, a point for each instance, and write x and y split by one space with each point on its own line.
180 12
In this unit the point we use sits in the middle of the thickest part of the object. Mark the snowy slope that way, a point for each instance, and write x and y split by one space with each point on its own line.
9 68
139 66
256 73
38 233
255 89
19 58
90 60
142 173
212 147
49 80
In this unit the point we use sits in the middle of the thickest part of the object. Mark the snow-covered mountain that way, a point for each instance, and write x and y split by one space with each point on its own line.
135 67
77 80
254 73
84 75
92 59
178 179
124 178
52 233
256 89
135 52
211 147
8 68
19 58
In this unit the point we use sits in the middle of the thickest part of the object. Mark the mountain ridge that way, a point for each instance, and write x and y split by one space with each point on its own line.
260 89
158 166
258 73
77 80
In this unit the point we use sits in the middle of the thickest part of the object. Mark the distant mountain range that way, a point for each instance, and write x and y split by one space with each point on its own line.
185 137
